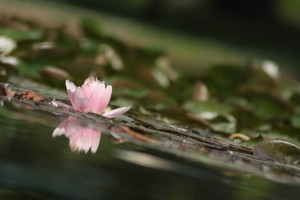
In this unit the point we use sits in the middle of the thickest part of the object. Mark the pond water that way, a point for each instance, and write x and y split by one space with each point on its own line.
36 165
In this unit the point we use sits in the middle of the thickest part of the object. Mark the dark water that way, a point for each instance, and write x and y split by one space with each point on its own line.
36 165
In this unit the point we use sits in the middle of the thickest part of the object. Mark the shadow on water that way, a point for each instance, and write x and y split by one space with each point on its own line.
36 165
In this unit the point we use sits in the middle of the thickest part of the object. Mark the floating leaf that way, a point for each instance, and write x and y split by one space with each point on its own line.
265 73
131 92
111 56
54 73
265 106
278 150
246 119
160 77
20 35
92 28
200 92
89 46
296 120
7 45
270 68
224 124
9 65
223 80
295 98
282 127
54 76
207 110
253 141
218 115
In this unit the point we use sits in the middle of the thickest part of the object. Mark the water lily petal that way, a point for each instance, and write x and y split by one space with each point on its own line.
70 90
97 96
82 104
88 89
105 98
90 80
70 86
89 85
71 97
116 112
79 93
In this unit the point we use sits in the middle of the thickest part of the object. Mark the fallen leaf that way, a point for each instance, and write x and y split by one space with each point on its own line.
30 95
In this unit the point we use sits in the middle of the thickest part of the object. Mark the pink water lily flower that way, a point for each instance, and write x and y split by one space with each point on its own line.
81 138
93 96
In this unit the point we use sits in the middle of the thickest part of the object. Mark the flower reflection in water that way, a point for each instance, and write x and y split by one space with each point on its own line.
81 138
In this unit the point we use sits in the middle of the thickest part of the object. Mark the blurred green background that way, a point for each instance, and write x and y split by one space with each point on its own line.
262 29
196 33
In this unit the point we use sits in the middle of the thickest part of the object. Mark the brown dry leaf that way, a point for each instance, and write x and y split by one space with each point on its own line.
30 95
5 91
2 90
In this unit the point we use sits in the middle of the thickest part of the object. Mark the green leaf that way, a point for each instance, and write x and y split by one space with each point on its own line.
267 107
253 141
131 92
207 110
296 120
19 35
222 80
92 28
246 119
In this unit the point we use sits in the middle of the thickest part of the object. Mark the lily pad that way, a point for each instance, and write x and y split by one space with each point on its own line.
207 110
223 80
253 141
296 120
278 150
20 35
92 28
266 106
